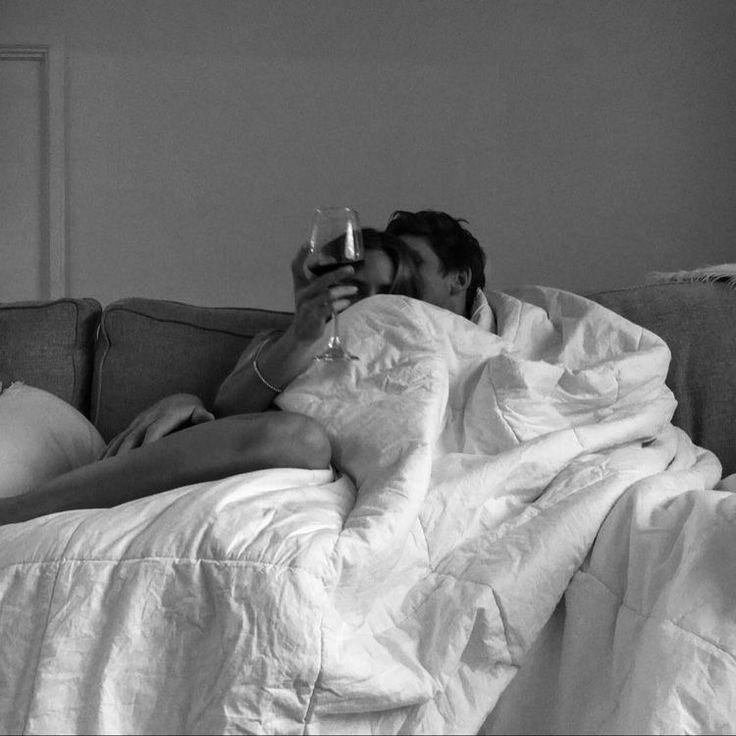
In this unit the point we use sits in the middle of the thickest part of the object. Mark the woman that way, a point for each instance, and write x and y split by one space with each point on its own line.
178 442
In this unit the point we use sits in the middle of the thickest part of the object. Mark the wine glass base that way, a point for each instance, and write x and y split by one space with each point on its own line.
333 355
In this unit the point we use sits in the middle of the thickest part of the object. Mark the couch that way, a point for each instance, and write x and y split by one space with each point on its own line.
240 605
111 363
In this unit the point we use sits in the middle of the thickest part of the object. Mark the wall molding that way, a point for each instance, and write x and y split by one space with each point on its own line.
52 62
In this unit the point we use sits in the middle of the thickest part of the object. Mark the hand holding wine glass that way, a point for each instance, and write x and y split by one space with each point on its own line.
335 241
315 298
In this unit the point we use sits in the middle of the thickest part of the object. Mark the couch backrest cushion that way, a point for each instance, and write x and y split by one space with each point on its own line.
151 348
698 322
50 345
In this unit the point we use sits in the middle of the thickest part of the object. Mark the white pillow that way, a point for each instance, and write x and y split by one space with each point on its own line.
41 436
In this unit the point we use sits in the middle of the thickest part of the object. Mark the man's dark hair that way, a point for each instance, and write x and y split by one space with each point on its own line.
454 245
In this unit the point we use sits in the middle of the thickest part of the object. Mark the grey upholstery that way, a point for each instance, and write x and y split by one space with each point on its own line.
50 345
149 348
698 322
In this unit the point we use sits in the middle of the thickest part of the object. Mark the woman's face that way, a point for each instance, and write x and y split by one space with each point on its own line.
374 275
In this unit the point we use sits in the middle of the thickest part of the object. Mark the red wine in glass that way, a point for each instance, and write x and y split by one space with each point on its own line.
320 269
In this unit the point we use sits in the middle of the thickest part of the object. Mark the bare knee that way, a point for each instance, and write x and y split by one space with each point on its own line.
280 439
300 440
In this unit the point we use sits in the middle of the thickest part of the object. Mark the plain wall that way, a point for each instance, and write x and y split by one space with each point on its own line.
586 143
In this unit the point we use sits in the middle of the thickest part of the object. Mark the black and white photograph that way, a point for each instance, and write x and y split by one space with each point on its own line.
368 367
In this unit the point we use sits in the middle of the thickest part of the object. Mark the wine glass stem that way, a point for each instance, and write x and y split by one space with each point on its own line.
335 330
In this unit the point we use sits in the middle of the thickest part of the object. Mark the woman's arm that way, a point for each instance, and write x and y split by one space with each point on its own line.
281 360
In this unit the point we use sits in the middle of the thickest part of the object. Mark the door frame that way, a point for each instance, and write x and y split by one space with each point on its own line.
54 155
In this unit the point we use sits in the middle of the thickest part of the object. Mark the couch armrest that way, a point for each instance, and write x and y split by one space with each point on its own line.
50 345
698 322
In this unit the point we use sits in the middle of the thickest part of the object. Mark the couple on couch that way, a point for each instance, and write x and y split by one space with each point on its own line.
427 255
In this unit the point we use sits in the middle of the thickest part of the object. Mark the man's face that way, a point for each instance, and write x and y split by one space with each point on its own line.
434 286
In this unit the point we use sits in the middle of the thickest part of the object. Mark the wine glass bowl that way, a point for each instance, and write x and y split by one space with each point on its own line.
335 240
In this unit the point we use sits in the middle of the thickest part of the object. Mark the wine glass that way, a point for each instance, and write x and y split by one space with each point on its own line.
334 240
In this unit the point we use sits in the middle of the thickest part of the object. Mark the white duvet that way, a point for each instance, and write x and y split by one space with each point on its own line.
402 594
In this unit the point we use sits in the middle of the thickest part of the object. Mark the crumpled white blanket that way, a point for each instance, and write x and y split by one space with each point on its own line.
644 640
401 597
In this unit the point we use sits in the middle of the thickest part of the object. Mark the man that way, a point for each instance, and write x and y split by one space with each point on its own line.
451 262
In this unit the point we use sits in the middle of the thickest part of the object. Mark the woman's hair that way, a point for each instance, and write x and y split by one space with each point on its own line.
406 263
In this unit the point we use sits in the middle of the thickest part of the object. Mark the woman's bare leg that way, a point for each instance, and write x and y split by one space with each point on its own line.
208 451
